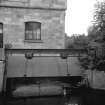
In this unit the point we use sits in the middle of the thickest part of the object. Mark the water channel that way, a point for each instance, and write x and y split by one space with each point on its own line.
89 97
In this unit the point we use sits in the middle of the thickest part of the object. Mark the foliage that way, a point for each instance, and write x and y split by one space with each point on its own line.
96 33
96 41
77 41
99 21
92 63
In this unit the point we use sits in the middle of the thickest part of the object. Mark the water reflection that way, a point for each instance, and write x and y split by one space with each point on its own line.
61 100
88 98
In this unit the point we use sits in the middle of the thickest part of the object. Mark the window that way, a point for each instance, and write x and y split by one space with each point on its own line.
32 31
1 35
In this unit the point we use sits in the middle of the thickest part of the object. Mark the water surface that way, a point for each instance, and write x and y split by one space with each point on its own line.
94 97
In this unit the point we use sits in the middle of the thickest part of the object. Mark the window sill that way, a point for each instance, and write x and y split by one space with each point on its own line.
33 41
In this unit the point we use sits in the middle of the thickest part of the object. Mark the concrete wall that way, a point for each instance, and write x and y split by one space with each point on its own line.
1 74
96 79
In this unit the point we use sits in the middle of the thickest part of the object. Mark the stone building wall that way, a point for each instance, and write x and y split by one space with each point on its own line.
52 4
50 13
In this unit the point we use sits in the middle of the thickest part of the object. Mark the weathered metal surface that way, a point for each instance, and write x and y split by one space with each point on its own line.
44 65
19 66
49 52
45 62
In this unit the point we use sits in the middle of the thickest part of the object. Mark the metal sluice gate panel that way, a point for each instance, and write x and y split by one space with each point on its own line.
34 66
39 61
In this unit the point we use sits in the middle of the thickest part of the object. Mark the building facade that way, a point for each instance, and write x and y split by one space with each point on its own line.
32 24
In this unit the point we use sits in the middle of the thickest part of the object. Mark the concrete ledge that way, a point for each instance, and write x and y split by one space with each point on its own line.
37 90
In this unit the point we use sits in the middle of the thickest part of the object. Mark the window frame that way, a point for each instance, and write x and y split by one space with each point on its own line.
35 38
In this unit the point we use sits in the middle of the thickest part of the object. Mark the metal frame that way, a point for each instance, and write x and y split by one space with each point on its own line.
67 78
47 51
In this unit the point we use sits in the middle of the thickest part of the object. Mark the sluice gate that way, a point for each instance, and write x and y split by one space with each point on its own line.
38 72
